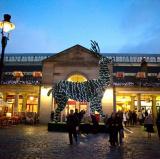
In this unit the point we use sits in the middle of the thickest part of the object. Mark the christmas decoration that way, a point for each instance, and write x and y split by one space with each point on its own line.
95 48
88 91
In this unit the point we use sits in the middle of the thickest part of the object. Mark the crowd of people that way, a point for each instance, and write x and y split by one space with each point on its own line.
114 124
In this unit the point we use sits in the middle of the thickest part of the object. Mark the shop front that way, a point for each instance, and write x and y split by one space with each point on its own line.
138 100
18 100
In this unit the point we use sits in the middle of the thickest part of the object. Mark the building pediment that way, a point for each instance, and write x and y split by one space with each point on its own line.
73 54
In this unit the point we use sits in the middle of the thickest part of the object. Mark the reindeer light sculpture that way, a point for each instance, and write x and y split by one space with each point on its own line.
88 91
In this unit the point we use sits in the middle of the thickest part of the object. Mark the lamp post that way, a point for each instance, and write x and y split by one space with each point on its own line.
6 26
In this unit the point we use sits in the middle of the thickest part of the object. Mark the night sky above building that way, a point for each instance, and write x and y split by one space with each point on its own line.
50 26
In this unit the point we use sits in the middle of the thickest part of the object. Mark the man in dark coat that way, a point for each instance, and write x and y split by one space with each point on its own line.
72 124
113 127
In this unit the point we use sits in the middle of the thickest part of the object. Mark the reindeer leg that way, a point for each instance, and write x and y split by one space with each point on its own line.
99 107
92 105
96 104
61 100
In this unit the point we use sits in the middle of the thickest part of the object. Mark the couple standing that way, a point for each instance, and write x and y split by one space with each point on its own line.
115 128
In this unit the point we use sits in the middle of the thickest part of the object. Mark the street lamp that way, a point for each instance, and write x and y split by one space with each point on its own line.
6 26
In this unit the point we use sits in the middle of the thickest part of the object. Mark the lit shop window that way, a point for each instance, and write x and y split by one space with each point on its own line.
17 74
141 75
120 74
158 76
37 74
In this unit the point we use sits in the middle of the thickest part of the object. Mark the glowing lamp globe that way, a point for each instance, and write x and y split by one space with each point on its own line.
6 25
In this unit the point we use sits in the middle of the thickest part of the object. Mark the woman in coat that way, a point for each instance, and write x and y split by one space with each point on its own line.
148 122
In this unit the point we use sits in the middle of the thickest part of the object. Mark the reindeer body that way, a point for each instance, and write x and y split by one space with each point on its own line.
88 91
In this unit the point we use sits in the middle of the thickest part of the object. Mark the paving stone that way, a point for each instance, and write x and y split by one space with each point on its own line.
35 142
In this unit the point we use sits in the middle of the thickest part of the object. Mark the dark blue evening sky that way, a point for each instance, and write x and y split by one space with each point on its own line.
50 26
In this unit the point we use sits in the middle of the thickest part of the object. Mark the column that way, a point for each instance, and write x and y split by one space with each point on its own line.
132 103
88 111
4 96
138 101
114 99
154 110
15 110
109 101
24 103
45 105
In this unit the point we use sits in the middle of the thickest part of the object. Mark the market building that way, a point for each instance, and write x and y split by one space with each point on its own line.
135 81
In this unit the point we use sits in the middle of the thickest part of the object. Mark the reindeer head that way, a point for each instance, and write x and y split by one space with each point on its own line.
104 60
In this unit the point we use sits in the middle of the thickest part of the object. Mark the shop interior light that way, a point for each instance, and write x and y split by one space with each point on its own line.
31 98
8 115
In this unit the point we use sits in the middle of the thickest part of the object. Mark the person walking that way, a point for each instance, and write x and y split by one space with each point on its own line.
95 123
124 119
105 120
113 129
119 120
148 122
158 125
134 117
77 117
140 117
72 124
86 126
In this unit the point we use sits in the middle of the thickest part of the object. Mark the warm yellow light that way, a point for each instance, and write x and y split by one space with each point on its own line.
8 114
37 74
108 96
44 91
77 78
108 93
96 112
18 74
44 97
158 98
107 100
31 98
7 26
123 99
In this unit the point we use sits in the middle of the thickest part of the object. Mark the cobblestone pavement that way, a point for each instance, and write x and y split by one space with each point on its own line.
35 142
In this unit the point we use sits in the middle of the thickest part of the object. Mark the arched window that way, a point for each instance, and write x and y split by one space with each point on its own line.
77 78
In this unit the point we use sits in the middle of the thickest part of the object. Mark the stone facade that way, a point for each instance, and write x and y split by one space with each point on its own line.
75 60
